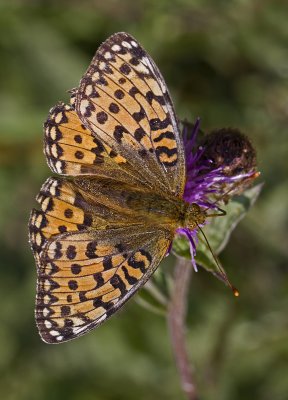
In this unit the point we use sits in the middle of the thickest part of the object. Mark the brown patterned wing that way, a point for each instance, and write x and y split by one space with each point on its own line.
86 270
124 101
84 278
71 149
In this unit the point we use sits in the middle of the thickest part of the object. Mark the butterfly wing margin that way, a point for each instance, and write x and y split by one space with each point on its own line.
124 100
108 267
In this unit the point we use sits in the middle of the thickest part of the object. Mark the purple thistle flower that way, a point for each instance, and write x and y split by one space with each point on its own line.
211 171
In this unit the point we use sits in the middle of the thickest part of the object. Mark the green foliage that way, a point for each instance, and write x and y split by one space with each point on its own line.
223 61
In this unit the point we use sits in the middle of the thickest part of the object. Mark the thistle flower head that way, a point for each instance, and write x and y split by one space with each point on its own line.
218 166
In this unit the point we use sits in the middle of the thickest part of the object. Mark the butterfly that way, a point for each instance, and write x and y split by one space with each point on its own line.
109 219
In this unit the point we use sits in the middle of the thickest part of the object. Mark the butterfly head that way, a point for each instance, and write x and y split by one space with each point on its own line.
195 216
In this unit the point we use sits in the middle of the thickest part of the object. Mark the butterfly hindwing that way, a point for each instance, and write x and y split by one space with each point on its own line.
85 277
124 101
87 269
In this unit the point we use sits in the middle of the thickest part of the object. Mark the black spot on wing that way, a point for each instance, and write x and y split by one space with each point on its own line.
134 263
58 251
65 310
166 150
156 123
91 250
118 133
71 252
107 263
117 283
98 302
130 279
73 285
119 94
139 134
164 135
114 108
101 117
150 96
79 155
98 278
75 269
138 116
169 153
125 69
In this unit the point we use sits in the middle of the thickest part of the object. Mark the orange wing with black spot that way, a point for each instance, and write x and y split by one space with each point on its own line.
86 274
71 149
124 101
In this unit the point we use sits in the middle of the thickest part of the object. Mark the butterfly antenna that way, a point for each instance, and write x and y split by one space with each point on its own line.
220 269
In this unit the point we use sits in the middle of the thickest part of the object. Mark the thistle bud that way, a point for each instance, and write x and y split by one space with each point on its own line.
229 149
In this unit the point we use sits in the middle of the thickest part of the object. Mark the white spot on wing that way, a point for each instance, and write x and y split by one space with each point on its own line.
38 239
116 47
88 90
53 132
47 285
45 203
108 55
127 45
47 324
46 312
95 76
54 151
54 333
38 221
46 300
53 187
102 65
141 68
58 117
58 167
84 105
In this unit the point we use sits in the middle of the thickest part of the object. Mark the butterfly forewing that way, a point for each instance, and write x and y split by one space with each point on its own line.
71 149
124 101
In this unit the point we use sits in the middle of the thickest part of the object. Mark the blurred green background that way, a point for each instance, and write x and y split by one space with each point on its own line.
226 62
